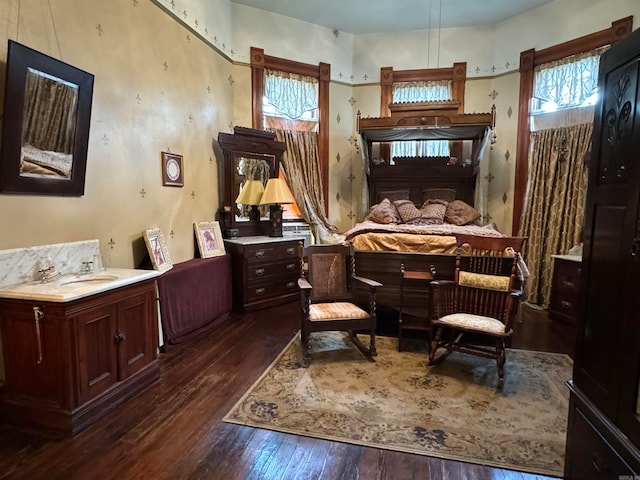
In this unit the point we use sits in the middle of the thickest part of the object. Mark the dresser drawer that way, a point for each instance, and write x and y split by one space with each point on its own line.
268 252
258 271
590 456
260 291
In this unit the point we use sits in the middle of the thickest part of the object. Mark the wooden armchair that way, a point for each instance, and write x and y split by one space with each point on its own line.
480 303
326 297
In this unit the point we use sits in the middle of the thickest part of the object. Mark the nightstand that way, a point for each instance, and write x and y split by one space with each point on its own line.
265 271
565 287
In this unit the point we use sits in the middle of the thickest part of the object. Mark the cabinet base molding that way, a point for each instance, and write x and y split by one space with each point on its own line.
51 419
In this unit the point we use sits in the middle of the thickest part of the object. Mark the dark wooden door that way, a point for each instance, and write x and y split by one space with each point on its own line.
97 365
608 347
137 333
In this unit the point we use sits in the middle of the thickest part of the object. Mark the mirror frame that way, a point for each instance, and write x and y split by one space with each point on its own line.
19 60
250 143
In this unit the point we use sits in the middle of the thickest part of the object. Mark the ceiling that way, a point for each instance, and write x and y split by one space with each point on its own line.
377 16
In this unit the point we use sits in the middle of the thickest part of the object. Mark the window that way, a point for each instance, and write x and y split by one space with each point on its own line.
424 91
290 101
566 83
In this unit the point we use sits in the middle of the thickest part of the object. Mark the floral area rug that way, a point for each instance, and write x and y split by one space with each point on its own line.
451 410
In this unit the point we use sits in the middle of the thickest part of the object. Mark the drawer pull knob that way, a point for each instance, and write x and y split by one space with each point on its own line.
259 272
290 284
566 304
291 250
260 291
291 266
259 253
568 283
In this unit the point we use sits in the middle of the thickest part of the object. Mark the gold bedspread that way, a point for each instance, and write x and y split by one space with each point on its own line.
439 239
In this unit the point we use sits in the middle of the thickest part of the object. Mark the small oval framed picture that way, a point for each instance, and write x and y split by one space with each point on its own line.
209 237
172 172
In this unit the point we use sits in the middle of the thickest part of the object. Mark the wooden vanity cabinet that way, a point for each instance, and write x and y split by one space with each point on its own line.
81 359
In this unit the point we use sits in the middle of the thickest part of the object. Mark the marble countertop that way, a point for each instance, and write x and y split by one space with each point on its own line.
66 288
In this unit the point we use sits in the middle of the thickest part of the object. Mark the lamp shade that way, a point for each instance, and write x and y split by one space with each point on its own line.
251 193
276 192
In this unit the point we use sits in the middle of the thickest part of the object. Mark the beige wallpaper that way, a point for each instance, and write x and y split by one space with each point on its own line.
157 88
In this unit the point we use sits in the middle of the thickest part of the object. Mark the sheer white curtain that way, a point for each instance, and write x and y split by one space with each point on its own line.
424 91
569 82
289 94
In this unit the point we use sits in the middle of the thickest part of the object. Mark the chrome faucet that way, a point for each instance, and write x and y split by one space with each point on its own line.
48 273
88 266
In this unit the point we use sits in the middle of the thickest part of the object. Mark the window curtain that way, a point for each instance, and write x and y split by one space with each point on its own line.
301 170
292 95
567 82
554 208
51 105
424 91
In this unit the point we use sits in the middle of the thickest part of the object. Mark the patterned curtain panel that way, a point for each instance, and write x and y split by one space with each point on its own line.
291 95
429 91
302 172
53 127
568 82
554 211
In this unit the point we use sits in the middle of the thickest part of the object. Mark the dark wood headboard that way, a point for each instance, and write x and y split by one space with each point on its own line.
424 121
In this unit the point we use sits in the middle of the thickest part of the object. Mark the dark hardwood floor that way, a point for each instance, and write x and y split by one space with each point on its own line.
173 430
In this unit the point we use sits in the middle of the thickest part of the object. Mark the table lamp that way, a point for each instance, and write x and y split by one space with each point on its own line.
275 194
250 194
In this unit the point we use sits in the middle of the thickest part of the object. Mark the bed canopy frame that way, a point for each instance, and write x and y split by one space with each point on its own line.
439 120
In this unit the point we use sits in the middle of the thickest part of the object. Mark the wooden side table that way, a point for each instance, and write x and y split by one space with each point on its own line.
415 301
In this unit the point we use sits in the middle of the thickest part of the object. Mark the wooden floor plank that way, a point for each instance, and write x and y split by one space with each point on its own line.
174 429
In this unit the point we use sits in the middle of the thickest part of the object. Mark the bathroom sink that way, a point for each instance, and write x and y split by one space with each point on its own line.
93 278
77 285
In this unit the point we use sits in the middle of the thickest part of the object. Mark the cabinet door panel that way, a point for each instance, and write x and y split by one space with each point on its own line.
138 336
33 359
98 369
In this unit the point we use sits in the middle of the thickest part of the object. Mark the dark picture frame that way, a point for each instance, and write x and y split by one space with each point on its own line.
23 64
172 170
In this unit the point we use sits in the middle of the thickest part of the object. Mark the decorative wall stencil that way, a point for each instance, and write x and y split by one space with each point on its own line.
338 157
505 197
111 243
352 101
100 30
507 155
143 193
489 178
493 94
338 118
509 112
231 82
338 197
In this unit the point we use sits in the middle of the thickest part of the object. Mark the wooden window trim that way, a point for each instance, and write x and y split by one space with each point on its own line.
322 71
529 59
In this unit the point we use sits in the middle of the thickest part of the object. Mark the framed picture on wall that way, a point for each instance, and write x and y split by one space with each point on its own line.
157 248
209 238
172 170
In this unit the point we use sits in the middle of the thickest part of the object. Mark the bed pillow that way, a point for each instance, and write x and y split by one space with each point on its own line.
433 211
394 195
446 194
384 212
461 213
408 212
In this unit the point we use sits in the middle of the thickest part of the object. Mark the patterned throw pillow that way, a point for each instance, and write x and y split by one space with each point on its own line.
461 213
433 211
409 213
384 212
